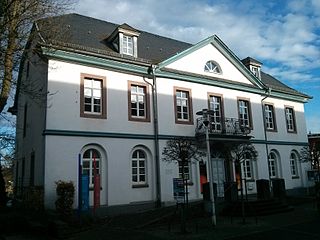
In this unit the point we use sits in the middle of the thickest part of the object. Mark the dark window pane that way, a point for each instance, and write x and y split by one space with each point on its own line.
96 101
141 113
87 108
141 154
134 178
134 155
87 100
134 112
134 163
142 178
134 171
141 163
86 154
96 108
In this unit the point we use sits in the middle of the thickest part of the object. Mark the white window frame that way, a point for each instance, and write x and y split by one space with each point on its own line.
255 71
93 91
293 164
244 112
215 103
187 173
137 170
127 45
212 67
90 161
290 121
138 97
269 117
182 105
247 169
272 165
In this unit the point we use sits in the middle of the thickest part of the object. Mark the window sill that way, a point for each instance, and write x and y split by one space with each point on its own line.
140 186
250 180
184 122
96 116
136 119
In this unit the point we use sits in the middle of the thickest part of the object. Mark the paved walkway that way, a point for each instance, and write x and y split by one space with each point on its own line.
302 223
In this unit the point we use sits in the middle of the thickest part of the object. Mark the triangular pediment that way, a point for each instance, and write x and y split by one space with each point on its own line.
211 58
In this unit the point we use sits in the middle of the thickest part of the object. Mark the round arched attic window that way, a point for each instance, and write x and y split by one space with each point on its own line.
212 67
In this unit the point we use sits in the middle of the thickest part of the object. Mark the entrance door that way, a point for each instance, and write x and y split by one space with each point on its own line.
218 175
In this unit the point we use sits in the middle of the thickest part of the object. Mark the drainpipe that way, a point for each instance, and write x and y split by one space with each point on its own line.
152 70
268 92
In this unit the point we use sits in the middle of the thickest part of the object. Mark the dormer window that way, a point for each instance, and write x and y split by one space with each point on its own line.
253 65
212 67
124 39
256 71
127 45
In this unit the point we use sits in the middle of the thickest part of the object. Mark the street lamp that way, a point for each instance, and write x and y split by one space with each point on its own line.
206 120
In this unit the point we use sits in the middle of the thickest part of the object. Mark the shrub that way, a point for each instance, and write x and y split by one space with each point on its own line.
65 197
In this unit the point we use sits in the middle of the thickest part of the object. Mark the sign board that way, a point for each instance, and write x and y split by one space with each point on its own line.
85 193
178 190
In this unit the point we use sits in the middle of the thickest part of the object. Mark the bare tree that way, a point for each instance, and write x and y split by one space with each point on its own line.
240 153
184 151
311 154
16 21
7 146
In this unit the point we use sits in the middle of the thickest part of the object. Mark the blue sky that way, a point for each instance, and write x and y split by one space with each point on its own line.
284 35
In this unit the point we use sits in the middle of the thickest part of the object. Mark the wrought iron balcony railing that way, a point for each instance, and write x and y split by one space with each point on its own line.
222 126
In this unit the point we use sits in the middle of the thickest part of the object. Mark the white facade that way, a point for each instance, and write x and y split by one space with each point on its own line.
57 133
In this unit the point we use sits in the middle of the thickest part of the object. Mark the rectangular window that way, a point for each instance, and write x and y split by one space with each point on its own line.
244 113
215 104
92 96
270 117
183 106
138 102
290 119
272 166
138 165
293 165
127 45
247 169
184 169
255 71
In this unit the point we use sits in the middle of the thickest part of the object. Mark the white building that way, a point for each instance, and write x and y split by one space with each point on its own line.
118 94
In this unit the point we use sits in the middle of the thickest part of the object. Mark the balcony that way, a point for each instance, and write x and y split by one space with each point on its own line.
222 126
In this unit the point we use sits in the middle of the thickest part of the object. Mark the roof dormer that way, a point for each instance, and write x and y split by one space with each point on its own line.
125 40
253 65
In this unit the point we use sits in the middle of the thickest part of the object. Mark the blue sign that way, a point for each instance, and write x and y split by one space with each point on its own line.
85 193
178 190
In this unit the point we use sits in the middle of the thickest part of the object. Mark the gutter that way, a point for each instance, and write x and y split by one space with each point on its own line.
152 70
268 93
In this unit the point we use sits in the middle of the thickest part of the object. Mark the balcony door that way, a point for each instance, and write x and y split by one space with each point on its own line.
215 105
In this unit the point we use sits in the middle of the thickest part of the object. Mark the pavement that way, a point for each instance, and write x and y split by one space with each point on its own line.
301 223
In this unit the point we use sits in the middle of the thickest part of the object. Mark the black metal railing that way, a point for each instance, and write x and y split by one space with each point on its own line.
222 126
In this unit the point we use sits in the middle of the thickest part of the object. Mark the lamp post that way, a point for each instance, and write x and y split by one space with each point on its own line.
206 120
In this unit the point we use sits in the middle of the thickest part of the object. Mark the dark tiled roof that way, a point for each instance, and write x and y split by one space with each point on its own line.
89 34
92 33
248 60
275 84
